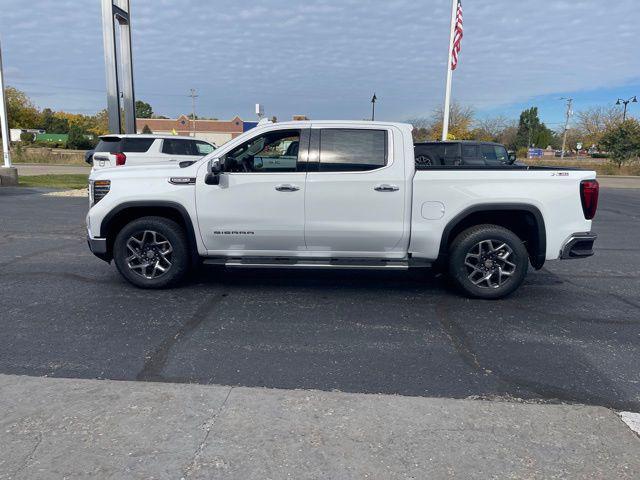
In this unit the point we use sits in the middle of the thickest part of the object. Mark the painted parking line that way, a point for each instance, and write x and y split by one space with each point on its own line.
632 420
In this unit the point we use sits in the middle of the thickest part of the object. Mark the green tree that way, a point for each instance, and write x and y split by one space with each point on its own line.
622 141
143 109
531 131
52 123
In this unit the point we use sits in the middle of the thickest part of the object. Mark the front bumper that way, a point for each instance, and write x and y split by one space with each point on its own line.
99 248
578 245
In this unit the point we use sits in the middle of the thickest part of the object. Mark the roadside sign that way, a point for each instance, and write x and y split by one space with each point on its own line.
579 146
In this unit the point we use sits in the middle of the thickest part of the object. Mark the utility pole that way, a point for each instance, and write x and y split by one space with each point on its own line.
193 111
625 103
566 124
4 121
373 107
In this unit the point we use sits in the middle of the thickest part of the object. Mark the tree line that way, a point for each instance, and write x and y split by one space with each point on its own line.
82 130
599 127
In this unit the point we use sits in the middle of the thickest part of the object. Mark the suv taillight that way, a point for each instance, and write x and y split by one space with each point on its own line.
589 190
121 159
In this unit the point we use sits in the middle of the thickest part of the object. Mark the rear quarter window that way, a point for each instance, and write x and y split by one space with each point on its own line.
137 145
110 145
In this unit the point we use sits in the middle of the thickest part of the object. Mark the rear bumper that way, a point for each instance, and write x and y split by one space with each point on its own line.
98 247
578 245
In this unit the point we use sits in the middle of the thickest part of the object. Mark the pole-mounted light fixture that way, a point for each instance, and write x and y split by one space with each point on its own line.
626 102
373 107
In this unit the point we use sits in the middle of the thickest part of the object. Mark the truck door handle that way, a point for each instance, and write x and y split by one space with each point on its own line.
286 187
385 187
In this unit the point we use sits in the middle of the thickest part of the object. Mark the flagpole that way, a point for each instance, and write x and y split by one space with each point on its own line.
447 92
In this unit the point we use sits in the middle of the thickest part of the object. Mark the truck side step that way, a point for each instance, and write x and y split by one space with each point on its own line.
264 262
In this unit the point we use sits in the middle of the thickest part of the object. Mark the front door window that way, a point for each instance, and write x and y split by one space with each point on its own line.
274 152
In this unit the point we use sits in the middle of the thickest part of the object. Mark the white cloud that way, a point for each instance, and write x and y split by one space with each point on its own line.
324 58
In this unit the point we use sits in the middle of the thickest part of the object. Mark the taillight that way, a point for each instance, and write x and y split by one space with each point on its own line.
121 159
589 190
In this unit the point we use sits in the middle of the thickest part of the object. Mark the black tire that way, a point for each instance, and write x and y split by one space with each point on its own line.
176 262
471 260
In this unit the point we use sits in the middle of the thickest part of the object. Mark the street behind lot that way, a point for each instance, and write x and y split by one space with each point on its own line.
570 334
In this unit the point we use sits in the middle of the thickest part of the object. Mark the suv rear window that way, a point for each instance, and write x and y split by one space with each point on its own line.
126 145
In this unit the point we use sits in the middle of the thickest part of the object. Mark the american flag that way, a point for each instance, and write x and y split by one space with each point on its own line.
457 37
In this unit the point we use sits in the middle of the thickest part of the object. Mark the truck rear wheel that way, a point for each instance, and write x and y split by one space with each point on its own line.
152 252
488 261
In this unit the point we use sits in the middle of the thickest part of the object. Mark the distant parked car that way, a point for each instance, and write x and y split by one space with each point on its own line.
462 152
119 150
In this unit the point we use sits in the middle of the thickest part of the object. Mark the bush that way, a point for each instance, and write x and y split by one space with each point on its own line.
522 152
78 139
27 137
599 155
622 142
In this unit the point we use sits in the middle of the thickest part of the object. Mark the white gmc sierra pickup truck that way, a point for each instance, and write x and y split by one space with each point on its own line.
337 194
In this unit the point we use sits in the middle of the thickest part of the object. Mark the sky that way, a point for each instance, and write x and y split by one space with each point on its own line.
326 58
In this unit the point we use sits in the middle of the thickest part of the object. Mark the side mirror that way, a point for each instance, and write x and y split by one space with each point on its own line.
215 166
512 158
213 177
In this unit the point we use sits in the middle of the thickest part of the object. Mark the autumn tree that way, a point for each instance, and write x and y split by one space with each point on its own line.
460 122
594 122
21 111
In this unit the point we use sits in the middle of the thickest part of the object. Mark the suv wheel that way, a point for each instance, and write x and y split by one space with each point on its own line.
488 261
152 252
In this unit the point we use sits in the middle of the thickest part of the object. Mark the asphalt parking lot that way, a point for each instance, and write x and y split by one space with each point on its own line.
570 334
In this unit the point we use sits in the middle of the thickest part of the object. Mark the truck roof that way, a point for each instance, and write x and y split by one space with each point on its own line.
306 123
438 142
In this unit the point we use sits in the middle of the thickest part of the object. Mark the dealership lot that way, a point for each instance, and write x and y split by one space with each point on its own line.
571 334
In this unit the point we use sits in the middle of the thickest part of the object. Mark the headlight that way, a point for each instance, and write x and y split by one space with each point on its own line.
99 188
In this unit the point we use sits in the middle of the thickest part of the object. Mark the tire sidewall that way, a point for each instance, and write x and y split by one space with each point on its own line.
180 260
466 240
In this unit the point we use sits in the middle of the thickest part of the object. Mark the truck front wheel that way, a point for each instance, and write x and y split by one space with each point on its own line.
488 261
152 252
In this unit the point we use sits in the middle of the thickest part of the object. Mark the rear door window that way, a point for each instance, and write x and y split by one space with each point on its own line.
469 152
494 154
352 150
178 147
452 154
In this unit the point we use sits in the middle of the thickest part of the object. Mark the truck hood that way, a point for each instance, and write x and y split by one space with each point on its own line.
145 171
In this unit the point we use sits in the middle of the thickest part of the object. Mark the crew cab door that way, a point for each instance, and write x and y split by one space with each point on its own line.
355 198
258 206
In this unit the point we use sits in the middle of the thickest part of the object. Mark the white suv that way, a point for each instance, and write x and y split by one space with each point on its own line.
118 150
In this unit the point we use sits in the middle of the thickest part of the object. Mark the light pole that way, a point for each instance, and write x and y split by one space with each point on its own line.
566 124
193 110
626 102
373 107
4 121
